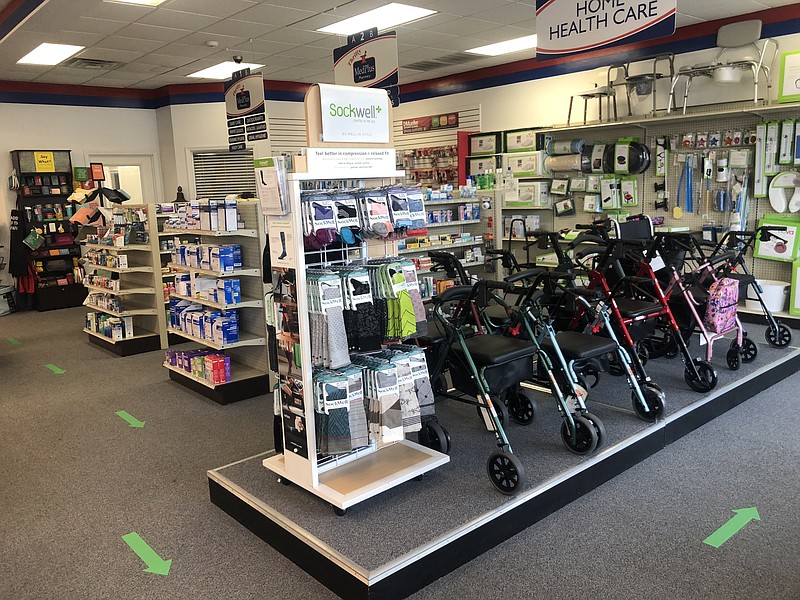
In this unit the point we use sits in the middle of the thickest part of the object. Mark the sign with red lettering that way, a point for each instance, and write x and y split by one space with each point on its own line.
443 121
565 27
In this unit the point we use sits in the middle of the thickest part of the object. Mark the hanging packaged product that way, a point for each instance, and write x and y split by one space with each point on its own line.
771 148
521 140
796 160
555 148
629 192
564 208
559 187
662 157
526 164
577 184
593 183
597 153
609 193
760 182
784 192
592 203
783 245
787 138
566 162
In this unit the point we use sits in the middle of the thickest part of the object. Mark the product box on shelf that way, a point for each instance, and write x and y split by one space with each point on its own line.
229 214
229 291
226 331
222 260
485 143
479 166
526 164
522 140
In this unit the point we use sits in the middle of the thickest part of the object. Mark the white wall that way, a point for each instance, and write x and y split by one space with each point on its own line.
545 102
80 129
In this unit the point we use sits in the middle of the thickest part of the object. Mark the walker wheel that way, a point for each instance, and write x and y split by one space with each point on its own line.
643 353
585 439
521 406
749 350
780 338
707 380
434 436
599 428
733 358
339 512
505 472
654 400
439 384
284 481
500 408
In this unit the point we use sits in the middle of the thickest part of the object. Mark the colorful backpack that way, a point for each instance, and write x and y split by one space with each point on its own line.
723 296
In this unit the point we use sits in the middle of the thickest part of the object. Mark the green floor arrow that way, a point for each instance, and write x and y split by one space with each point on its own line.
55 369
130 419
13 341
155 564
742 517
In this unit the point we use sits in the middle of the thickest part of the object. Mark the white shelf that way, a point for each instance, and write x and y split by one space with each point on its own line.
139 247
238 373
453 223
245 339
124 313
440 247
446 202
115 270
206 233
210 273
246 303
138 336
124 292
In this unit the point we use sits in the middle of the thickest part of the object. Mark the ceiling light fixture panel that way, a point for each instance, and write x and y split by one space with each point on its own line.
384 17
223 70
49 54
527 42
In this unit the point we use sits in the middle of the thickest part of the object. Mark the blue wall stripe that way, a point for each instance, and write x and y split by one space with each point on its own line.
75 100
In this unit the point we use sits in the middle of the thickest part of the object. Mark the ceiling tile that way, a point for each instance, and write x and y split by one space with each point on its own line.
109 82
713 9
317 22
424 38
509 14
153 32
501 34
143 68
315 5
261 47
105 10
428 21
7 75
165 60
187 50
292 35
67 75
307 52
233 27
462 27
92 25
115 42
200 38
321 65
214 8
292 74
356 7
329 41
274 15
122 56
177 19
465 9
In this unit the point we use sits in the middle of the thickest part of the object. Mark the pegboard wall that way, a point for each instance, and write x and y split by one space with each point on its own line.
737 119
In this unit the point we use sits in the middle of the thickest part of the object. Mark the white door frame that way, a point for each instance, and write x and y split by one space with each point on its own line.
152 184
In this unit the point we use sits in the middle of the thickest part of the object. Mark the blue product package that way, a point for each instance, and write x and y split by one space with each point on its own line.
237 256
236 290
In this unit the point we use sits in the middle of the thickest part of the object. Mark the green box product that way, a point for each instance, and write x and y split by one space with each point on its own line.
778 249
521 140
526 164
479 166
794 299
630 192
481 144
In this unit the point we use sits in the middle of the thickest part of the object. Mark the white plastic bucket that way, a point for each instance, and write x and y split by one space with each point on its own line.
775 294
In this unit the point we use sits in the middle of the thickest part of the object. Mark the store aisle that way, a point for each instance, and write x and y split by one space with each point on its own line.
75 478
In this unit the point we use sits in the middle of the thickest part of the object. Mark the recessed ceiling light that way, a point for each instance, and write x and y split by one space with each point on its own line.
515 45
49 54
382 18
223 70
139 2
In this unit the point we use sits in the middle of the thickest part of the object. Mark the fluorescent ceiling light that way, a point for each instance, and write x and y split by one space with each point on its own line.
382 18
49 54
223 70
139 2
515 45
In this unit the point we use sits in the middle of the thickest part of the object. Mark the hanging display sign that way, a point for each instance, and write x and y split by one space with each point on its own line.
330 163
245 109
418 124
351 114
565 27
45 162
368 60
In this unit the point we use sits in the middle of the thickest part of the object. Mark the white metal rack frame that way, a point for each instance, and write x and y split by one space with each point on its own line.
357 476
140 291
249 364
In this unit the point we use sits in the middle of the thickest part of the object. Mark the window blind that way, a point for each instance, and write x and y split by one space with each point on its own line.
217 174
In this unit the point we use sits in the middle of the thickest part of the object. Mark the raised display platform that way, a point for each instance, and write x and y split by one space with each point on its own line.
404 539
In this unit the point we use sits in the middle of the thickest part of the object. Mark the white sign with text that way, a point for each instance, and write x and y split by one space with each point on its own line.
353 114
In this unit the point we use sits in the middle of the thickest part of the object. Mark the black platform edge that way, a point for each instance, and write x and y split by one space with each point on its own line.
508 520
128 347
228 392
312 561
791 321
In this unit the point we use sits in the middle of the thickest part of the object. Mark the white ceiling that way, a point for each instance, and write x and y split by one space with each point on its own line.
160 46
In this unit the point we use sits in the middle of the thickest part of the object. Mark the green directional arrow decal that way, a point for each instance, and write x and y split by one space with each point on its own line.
55 369
129 419
735 524
13 341
155 564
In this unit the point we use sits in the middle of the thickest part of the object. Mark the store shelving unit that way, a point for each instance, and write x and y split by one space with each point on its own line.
249 365
139 287
44 188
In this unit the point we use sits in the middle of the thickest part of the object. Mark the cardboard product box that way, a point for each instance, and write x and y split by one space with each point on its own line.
202 286
231 215
122 261
478 166
197 325
485 143
205 214
209 317
521 140
127 327
237 256
226 331
526 164
229 291
117 334
213 215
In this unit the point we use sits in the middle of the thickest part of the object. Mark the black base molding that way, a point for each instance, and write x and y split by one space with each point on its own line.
128 347
508 520
227 392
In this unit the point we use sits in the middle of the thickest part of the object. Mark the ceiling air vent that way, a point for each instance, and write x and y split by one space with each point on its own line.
448 60
92 64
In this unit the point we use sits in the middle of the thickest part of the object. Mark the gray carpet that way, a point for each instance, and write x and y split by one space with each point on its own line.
75 478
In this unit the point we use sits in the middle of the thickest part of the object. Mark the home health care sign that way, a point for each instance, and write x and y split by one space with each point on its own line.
353 114
565 27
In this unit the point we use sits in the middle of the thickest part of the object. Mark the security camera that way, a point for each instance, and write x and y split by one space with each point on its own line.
237 58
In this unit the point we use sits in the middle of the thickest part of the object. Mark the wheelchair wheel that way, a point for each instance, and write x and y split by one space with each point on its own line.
521 406
585 441
505 472
749 350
